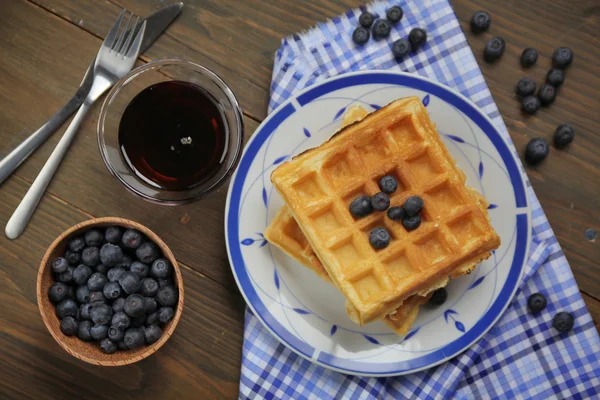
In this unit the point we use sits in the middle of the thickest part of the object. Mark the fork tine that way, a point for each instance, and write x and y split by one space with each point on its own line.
137 43
109 41
117 46
123 49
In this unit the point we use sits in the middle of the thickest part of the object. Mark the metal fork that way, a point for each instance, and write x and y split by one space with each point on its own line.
115 59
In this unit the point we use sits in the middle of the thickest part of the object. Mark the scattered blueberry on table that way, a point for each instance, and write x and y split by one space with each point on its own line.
366 19
361 35
114 296
529 57
547 94
537 150
562 57
480 21
525 87
417 37
536 302
563 322
401 48
381 29
531 104
438 297
555 77
494 49
563 135
394 14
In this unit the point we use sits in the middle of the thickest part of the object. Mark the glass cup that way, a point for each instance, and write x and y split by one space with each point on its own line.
130 86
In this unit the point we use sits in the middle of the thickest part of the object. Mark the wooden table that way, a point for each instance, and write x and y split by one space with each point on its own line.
237 39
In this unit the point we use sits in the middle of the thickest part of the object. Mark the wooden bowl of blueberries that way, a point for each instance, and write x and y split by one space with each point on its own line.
110 291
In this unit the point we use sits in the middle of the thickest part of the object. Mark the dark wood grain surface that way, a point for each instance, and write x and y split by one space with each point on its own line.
237 40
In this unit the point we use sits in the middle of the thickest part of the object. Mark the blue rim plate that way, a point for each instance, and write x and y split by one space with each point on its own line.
308 315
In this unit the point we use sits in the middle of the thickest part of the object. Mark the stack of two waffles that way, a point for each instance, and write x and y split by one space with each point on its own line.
316 228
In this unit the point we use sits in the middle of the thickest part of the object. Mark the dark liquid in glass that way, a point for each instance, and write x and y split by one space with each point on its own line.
173 135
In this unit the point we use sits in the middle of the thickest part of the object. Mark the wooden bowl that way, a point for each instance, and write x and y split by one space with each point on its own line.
90 351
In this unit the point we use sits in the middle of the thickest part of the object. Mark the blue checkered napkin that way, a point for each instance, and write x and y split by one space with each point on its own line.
522 356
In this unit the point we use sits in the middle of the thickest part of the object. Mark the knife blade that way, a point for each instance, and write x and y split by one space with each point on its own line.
155 26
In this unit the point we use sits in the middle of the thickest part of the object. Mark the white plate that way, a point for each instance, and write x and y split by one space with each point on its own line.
307 314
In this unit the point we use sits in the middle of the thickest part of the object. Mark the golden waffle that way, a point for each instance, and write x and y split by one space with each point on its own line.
285 233
398 140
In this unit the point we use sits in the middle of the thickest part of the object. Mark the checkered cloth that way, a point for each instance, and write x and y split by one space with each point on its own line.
522 356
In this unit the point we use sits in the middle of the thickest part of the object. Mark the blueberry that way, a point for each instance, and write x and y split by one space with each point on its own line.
388 184
125 262
66 308
438 297
555 77
81 274
113 274
366 19
112 290
379 239
97 297
82 294
130 282
417 37
529 57
138 321
68 326
149 287
73 257
380 201
76 244
381 29
99 332
413 205
60 265
84 311
480 21
411 223
118 304
134 338
161 268
494 49
110 254
152 319
536 151
167 296
113 234
563 322
121 320
83 331
361 207
360 35
67 276
563 135
394 14
101 268
101 313
96 281
150 305
169 281
401 48
531 104
526 86
147 252
165 314
536 302
139 268
152 333
132 239
396 213
122 345
58 292
116 334
562 57
546 94
93 238
108 346
134 305
90 256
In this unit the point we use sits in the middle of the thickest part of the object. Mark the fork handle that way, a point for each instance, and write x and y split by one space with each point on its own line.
13 159
18 221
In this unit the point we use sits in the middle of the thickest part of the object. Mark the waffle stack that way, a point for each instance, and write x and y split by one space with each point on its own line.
318 186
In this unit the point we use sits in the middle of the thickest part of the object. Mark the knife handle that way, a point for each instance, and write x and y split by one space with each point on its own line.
13 159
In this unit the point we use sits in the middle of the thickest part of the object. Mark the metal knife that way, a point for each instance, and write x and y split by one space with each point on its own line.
155 25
